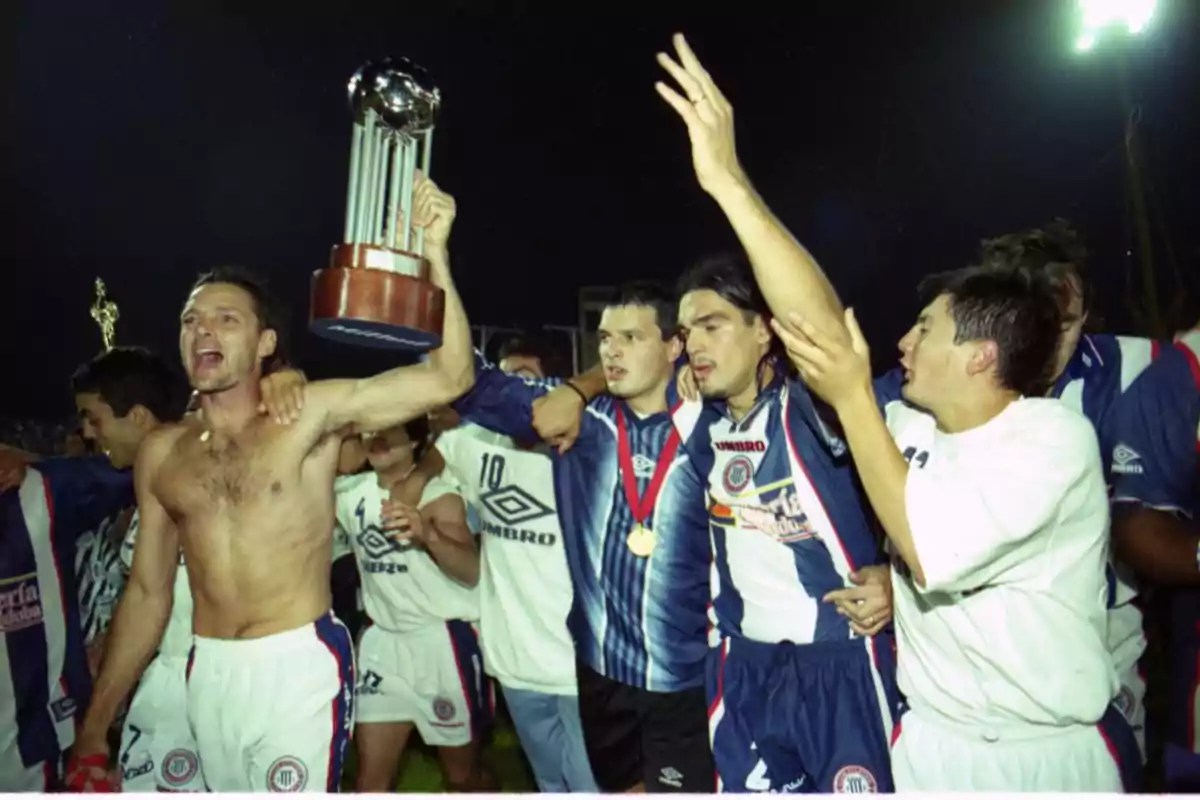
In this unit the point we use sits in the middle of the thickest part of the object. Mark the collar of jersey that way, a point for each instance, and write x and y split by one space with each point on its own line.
633 419
766 394
1079 366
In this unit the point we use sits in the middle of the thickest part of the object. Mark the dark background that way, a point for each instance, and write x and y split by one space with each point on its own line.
145 141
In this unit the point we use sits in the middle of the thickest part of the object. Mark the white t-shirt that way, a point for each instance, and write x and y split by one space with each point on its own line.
525 587
1010 524
403 588
177 638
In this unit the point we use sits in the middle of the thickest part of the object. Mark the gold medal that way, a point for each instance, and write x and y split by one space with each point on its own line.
640 541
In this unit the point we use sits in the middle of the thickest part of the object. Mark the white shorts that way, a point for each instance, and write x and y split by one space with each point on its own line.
432 677
276 713
158 751
932 755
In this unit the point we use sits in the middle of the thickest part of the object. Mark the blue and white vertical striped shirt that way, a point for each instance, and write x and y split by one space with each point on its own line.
639 620
40 634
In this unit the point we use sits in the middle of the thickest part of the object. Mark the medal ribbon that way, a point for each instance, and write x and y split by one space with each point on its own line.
641 507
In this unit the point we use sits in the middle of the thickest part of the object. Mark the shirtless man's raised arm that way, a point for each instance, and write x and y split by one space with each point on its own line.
253 500
399 395
145 605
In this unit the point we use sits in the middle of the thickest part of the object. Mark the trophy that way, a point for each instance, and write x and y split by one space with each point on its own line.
106 314
376 290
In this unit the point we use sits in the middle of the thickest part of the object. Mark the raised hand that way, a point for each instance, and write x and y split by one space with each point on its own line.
433 212
835 366
707 115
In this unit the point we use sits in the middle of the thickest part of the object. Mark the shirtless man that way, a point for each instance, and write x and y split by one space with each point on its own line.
251 503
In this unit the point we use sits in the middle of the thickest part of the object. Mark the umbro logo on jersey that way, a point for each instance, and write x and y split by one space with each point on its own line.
743 446
1126 460
512 505
643 466
376 544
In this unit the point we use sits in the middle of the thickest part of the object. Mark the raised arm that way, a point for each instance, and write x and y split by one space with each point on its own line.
788 276
145 606
398 395
924 508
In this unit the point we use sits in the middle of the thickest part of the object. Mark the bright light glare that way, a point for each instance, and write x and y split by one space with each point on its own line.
1097 15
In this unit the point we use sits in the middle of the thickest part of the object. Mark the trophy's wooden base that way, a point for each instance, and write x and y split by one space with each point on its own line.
358 303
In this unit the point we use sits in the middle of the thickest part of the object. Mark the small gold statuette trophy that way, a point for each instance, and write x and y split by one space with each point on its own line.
106 314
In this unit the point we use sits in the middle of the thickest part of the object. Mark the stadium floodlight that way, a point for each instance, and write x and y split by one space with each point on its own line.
1099 16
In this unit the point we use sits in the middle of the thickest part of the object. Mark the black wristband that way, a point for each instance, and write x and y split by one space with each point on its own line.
577 391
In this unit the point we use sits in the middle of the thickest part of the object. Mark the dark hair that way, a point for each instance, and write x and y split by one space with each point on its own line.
1016 308
654 296
1055 250
418 432
270 315
730 277
125 377
531 347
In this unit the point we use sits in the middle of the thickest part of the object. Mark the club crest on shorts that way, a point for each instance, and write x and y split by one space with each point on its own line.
179 767
737 475
853 779
287 774
443 709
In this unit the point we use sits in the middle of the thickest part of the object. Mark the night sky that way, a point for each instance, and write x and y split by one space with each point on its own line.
147 140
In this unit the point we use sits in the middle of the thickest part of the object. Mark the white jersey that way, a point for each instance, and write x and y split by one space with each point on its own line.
525 589
403 588
1010 524
460 482
177 638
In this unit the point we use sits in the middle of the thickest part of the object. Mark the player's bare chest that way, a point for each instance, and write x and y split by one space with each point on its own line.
218 470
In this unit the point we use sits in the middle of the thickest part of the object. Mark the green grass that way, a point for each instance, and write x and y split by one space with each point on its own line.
419 770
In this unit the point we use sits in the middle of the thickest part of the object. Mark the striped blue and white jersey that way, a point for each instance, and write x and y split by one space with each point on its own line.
1156 464
40 634
1099 372
785 515
636 619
